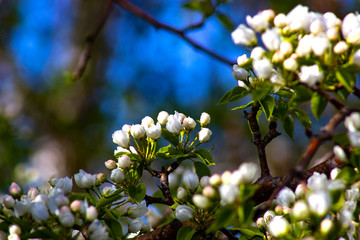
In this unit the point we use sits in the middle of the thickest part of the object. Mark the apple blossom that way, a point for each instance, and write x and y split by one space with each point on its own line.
91 213
117 175
242 60
243 35
111 164
124 162
279 226
147 122
137 131
66 218
228 193
181 194
319 203
15 229
201 201
39 211
340 153
204 181
174 125
280 20
204 135
154 132
239 73
121 138
290 64
162 117
15 190
263 68
257 52
189 123
271 39
340 47
8 201
298 19
300 210
84 179
259 22
205 119
97 230
184 212
191 180
310 75
326 226
319 45
285 197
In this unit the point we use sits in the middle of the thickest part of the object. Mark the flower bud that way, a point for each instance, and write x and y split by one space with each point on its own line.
290 64
76 206
181 194
239 73
39 212
319 203
91 214
209 192
191 180
226 177
258 22
280 20
66 218
100 179
300 210
15 229
332 34
215 180
84 179
248 172
260 223
124 161
33 192
279 226
243 35
271 39
268 216
147 122
257 53
354 37
15 190
228 193
204 119
121 138
135 225
317 27
13 237
326 226
8 201
242 60
285 197
110 164
117 175
137 131
189 123
311 75
204 135
263 68
201 201
278 210
286 48
204 181
183 212
174 125
334 173
63 183
154 132
341 47
126 128
107 190
340 153
300 190
162 117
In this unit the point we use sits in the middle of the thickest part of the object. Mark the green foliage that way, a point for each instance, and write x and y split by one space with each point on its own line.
235 94
205 156
137 192
318 105
185 233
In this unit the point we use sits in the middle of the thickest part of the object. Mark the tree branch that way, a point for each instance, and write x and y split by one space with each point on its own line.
180 33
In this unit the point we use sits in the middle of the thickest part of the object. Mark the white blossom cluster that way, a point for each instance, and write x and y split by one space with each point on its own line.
352 124
41 207
218 189
315 200
292 38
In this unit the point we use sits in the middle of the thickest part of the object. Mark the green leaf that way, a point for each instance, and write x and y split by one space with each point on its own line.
224 217
268 104
281 110
135 173
109 198
137 192
43 234
170 152
288 126
201 169
302 94
302 116
318 105
250 232
225 20
348 175
346 78
115 228
205 156
185 233
261 91
170 137
235 94
204 7
341 139
285 93
243 106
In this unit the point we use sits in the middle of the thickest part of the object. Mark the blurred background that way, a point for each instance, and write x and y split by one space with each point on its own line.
50 124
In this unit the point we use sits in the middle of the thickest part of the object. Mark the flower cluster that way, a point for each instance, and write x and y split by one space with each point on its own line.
300 46
316 209
352 124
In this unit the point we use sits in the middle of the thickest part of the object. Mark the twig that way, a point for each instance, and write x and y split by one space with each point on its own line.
90 39
181 33
261 143
228 234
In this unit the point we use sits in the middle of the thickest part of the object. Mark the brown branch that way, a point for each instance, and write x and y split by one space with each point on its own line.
357 92
261 143
180 33
169 231
90 39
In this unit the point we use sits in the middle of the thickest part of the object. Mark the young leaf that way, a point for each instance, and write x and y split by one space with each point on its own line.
288 126
224 19
199 6
302 116
170 137
318 105
223 218
185 233
346 78
281 110
261 91
169 152
235 94
302 94
137 192
243 106
201 169
268 104
205 156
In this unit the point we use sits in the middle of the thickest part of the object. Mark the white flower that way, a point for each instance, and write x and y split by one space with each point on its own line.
162 117
174 125
39 212
64 183
300 210
271 39
341 47
226 177
181 194
334 173
110 164
268 215
331 20
243 35
84 179
286 48
66 218
304 47
349 24
319 45
117 175
204 181
319 203
352 194
126 128
257 53
242 60
124 162
97 231
8 201
189 123
205 119
121 138
147 122
209 192
239 73
352 122
279 226
290 64
154 132
14 229
228 193
317 27
280 20
183 213
285 197
340 153
215 180
258 22
276 78
201 201
76 206
137 211
310 75
263 68
124 222
298 19
326 226
91 213
11 236
332 34
121 150
191 180
317 182
204 135
248 172
22 207
137 131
